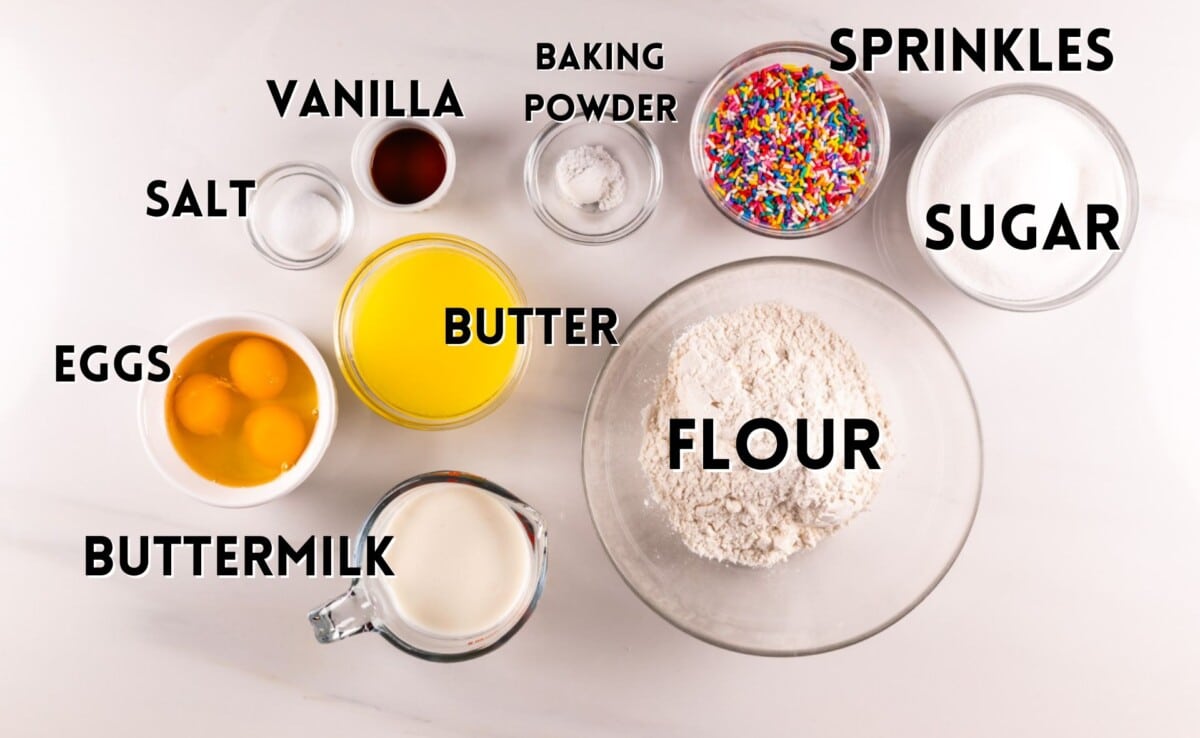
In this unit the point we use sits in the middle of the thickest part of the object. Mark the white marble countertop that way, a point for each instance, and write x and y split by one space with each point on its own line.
1072 610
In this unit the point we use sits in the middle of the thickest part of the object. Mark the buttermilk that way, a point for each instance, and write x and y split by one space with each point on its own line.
362 98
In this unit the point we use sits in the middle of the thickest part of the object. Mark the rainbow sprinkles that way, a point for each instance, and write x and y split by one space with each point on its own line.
787 148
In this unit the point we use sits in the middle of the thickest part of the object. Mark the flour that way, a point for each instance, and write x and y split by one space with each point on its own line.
768 360
588 175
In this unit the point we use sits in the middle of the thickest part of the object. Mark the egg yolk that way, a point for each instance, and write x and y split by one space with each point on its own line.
203 404
258 368
275 436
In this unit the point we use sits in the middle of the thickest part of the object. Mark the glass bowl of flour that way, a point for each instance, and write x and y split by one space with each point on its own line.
792 560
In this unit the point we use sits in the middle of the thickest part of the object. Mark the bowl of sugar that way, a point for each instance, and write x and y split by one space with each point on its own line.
1023 197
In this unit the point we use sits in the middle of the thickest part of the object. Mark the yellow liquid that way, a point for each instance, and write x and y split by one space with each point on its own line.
398 333
225 457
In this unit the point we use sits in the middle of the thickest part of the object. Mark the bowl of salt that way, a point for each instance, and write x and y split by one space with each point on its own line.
299 216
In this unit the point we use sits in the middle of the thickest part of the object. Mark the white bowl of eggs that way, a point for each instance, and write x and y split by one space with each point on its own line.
247 413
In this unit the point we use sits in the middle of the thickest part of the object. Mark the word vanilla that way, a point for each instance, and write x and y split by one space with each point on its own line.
363 98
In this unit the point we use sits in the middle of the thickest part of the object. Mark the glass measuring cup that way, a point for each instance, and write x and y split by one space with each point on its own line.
365 607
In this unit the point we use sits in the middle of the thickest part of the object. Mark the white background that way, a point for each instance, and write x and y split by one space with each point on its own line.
1073 609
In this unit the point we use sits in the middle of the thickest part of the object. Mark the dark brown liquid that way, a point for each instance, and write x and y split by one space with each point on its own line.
408 165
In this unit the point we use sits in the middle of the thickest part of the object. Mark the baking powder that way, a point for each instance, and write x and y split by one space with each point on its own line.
589 175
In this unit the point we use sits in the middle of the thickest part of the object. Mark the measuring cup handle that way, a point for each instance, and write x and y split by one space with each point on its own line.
343 616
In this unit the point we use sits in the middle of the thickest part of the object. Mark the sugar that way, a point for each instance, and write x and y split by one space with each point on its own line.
1013 149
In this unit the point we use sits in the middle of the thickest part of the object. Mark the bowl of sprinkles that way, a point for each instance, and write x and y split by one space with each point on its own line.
784 145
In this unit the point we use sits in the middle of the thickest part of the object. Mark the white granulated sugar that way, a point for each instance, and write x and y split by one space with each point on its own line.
589 175
775 361
1017 149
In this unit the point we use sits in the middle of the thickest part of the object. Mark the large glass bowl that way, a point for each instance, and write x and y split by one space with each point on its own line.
864 577
795 53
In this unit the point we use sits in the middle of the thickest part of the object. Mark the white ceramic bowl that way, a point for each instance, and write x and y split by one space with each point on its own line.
152 416
364 150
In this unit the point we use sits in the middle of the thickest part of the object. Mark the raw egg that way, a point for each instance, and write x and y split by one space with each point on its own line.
258 368
275 435
203 404
241 409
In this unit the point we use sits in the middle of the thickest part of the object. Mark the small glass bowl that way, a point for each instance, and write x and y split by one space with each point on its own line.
347 312
640 162
1129 214
292 180
795 53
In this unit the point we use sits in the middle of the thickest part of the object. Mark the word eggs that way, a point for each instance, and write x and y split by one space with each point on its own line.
241 409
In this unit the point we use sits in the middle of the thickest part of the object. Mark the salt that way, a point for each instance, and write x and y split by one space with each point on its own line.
1013 149
302 225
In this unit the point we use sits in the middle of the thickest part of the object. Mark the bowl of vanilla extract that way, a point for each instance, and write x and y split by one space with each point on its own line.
404 164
